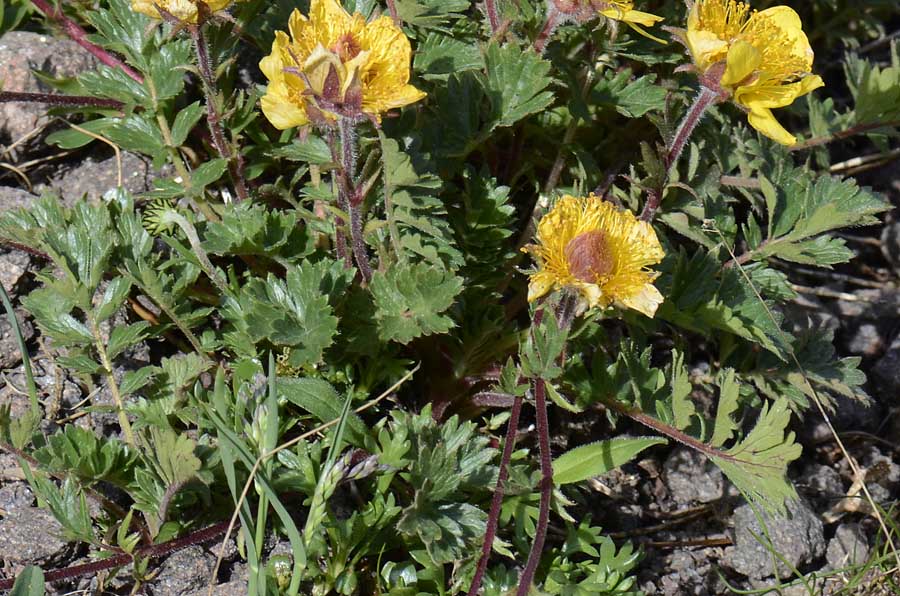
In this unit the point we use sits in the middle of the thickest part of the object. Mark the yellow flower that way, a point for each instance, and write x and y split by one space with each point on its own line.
335 64
617 10
183 10
588 245
763 60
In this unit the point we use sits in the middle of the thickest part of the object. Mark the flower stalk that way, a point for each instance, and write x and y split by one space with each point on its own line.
60 100
704 100
552 20
353 198
223 147
490 7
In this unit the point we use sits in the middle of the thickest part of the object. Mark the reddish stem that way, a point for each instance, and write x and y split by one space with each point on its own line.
537 548
512 429
550 25
225 150
392 8
706 98
60 100
156 550
490 7
79 36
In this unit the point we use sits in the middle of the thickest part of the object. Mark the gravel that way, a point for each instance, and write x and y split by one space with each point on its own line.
886 374
848 547
799 538
183 572
93 178
32 535
692 478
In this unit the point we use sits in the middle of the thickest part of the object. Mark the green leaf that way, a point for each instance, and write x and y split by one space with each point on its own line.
292 312
409 300
312 150
252 229
209 172
113 297
429 13
321 400
516 83
683 409
80 452
30 581
725 425
135 380
442 55
123 337
599 458
757 465
185 121
631 98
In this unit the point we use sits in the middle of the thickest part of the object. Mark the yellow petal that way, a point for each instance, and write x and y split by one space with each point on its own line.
705 47
273 65
539 285
776 96
742 60
279 109
762 120
646 301
788 21
592 294
631 16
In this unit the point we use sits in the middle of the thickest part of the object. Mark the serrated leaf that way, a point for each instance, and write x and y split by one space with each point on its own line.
516 83
410 300
80 452
113 297
135 380
683 409
631 98
757 465
123 337
312 149
442 55
252 229
725 425
595 459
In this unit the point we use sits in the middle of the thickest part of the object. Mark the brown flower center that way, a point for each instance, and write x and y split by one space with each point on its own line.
589 256
346 48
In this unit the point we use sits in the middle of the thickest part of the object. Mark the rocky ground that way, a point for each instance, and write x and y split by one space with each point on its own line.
698 535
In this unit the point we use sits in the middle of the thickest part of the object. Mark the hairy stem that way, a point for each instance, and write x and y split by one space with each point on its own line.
537 548
509 444
218 280
844 134
551 22
340 242
224 148
61 100
392 8
80 36
354 198
704 100
111 381
490 7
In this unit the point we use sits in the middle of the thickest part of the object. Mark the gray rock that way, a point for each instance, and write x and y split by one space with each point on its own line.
886 375
890 244
30 535
15 198
866 340
21 52
13 496
92 178
10 355
799 539
183 572
821 483
848 547
233 588
691 477
14 264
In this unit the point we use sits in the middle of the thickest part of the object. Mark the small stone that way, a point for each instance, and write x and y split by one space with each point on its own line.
798 538
886 375
13 496
14 264
691 477
15 198
10 355
183 572
92 178
821 483
30 535
890 244
848 547
22 52
866 341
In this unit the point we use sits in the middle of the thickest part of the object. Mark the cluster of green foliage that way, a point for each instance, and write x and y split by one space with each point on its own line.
263 335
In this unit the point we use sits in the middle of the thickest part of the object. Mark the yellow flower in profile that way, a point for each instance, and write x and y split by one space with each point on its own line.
183 10
334 64
588 245
617 10
762 60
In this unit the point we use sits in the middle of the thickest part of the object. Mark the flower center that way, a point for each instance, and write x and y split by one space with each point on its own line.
589 256
346 48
